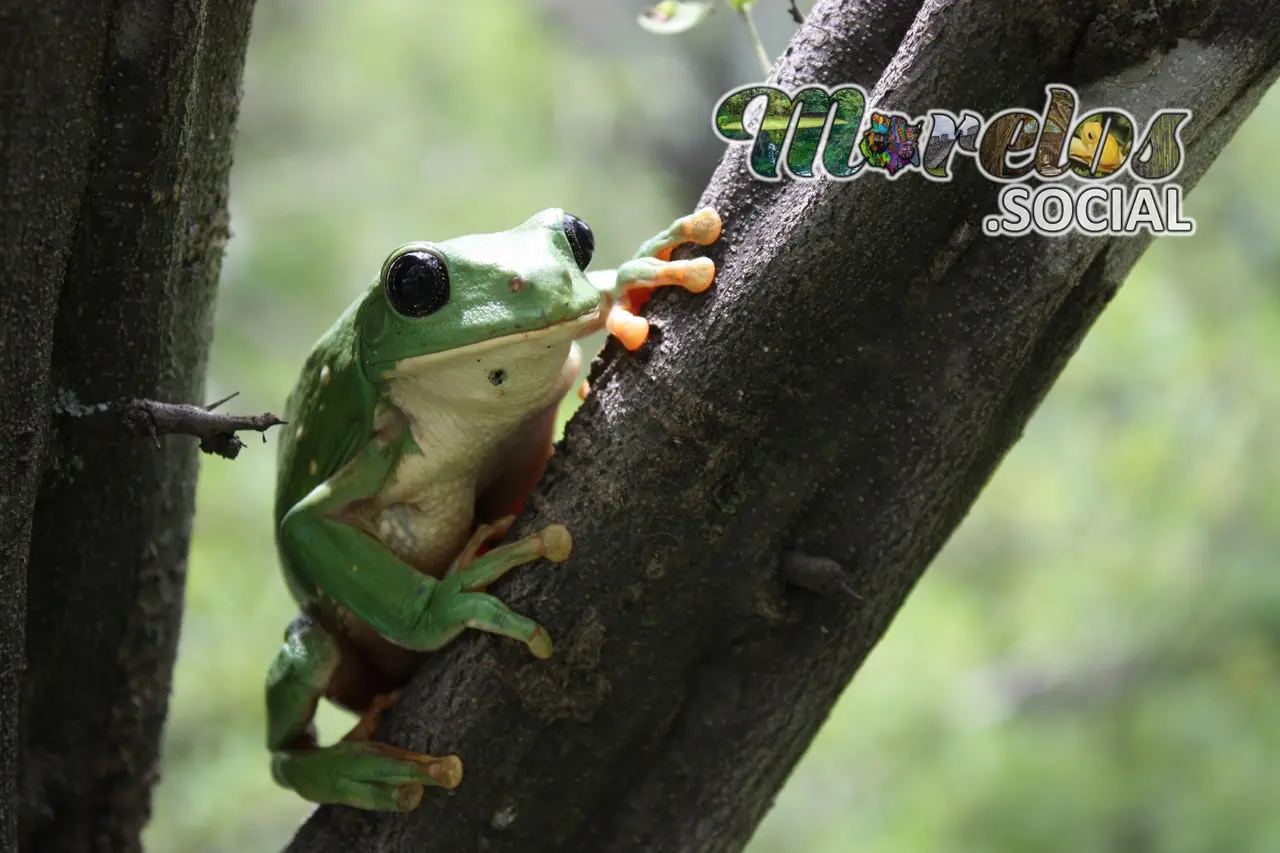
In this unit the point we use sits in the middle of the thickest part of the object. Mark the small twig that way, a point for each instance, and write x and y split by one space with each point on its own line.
150 418
217 432
795 13
824 576
761 54
231 396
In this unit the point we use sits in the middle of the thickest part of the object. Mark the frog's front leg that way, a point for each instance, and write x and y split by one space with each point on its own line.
332 551
630 285
471 572
345 563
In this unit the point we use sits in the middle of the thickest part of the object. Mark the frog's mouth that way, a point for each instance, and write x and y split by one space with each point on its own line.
568 328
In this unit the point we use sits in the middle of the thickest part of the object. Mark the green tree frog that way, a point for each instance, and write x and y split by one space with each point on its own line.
421 421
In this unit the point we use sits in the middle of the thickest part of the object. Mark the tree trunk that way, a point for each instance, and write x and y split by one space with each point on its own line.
116 146
865 360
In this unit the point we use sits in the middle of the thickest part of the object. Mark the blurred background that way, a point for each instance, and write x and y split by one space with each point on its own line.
1092 664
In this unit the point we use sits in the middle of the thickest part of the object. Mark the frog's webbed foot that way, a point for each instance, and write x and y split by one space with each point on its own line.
365 774
465 605
652 267
356 771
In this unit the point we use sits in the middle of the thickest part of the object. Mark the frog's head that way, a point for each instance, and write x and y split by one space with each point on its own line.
436 302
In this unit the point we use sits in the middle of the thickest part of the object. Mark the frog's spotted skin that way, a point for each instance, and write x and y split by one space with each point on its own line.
424 417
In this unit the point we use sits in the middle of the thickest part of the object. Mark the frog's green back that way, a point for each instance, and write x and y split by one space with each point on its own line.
329 413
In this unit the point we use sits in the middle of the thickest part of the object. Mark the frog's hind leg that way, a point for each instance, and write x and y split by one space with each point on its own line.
633 283
356 771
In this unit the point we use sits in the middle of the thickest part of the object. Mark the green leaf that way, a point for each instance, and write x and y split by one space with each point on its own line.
674 16
742 5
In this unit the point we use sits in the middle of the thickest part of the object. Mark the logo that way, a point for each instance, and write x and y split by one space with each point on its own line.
1075 157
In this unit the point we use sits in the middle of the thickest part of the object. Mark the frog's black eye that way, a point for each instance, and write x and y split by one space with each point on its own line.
417 284
580 238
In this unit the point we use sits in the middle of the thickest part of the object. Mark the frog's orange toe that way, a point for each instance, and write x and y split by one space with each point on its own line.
694 275
699 274
704 227
584 389
633 331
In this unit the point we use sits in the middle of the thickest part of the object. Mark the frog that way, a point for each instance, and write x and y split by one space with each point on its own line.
421 422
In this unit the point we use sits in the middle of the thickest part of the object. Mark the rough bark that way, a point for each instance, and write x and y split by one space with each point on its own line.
116 141
845 391
36 226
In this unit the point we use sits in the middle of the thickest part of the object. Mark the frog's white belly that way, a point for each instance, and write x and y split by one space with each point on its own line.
464 425
426 510
428 529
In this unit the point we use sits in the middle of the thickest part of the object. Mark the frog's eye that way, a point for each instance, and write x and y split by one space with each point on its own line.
580 238
417 284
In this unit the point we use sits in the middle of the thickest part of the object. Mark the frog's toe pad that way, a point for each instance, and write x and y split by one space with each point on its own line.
446 771
703 227
556 542
629 328
540 643
696 275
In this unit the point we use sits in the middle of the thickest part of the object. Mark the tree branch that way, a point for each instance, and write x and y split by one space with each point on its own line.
152 419
864 362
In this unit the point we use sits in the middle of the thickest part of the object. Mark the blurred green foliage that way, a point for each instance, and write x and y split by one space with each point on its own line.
1092 664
